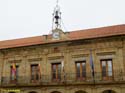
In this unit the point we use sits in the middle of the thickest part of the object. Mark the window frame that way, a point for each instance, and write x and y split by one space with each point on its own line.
107 76
34 77
81 73
57 72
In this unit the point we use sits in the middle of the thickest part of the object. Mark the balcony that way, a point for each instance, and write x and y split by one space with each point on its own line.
65 79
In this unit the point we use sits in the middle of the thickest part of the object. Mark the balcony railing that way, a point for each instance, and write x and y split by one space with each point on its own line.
67 78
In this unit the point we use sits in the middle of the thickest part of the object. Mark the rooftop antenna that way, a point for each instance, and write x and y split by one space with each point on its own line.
56 17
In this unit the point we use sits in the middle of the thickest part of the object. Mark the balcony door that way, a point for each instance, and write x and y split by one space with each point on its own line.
80 70
56 71
107 69
35 73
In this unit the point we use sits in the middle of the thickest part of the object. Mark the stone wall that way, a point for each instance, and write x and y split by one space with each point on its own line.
69 52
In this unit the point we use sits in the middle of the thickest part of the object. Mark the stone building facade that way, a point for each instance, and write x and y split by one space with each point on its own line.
65 64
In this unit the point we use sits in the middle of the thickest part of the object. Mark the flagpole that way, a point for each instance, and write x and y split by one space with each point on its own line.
92 66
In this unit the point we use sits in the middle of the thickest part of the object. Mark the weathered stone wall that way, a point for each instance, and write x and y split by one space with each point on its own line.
69 52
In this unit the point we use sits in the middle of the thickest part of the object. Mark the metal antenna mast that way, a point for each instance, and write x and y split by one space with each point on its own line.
56 17
57 2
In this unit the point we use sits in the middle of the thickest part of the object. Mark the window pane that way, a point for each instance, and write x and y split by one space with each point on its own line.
34 72
53 71
83 69
103 68
109 68
56 71
59 71
78 69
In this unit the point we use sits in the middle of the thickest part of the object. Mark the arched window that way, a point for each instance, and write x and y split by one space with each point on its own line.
55 92
108 91
80 91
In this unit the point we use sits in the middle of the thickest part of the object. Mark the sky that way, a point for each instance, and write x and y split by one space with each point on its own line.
27 18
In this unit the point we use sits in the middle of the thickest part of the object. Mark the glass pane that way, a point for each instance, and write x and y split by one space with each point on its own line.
83 69
78 69
53 71
109 68
59 71
103 68
59 68
34 72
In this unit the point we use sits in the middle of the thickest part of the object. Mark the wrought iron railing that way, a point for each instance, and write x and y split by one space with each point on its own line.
66 78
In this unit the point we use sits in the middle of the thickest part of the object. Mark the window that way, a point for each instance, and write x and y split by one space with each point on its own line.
56 71
107 69
35 73
81 70
14 72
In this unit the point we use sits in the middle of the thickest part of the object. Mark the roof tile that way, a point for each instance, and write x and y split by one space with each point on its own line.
74 35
